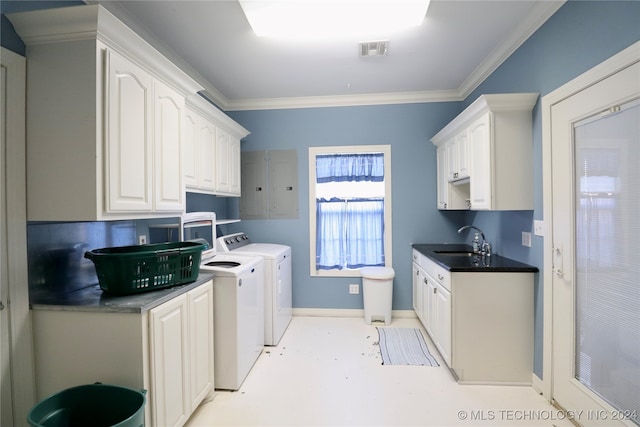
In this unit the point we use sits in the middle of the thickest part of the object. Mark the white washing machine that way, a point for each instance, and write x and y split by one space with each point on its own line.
277 280
238 298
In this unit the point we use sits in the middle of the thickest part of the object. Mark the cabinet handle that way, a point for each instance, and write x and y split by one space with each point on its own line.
435 290
440 277
239 282
258 188
289 188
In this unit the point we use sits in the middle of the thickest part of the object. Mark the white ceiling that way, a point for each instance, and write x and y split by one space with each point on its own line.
458 45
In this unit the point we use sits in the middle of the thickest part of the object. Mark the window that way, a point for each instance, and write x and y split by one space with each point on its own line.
349 209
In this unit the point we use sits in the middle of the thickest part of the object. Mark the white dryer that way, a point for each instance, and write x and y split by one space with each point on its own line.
277 280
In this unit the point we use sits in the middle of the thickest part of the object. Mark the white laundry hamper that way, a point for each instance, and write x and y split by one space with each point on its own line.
377 291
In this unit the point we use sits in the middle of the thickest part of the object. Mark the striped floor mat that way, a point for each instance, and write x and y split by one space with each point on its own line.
404 346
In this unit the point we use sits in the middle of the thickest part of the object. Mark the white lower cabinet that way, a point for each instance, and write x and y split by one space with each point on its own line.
480 322
169 336
418 277
167 351
437 307
181 337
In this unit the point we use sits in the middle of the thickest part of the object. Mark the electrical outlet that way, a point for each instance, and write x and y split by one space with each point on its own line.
526 239
142 239
538 227
354 289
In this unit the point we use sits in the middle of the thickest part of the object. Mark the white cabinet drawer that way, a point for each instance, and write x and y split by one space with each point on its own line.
441 274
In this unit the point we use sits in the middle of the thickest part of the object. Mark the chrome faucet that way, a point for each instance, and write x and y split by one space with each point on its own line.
481 248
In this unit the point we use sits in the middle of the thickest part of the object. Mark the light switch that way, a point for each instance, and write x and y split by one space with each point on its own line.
538 227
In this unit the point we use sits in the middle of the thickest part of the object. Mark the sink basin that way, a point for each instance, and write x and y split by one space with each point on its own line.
455 253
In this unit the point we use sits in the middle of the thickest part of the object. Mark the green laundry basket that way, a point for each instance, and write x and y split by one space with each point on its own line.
95 405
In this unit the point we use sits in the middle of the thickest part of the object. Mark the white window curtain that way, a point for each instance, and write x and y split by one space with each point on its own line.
349 232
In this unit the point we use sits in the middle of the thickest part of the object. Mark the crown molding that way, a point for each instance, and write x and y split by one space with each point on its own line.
210 111
197 83
541 13
342 100
94 22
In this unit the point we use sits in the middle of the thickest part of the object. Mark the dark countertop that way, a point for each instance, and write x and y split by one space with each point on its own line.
475 263
93 299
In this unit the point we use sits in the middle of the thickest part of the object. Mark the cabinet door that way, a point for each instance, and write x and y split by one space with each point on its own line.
208 155
462 154
190 149
417 291
429 306
481 159
442 177
169 186
442 302
234 166
129 143
222 161
452 160
169 363
200 301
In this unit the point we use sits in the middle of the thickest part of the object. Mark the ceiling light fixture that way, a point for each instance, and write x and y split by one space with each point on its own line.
332 19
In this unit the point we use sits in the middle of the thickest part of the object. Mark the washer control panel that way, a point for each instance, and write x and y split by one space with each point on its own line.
232 241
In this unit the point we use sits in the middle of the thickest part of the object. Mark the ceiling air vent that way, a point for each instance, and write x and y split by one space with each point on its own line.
378 48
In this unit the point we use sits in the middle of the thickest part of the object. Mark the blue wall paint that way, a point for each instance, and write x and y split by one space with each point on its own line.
407 128
579 36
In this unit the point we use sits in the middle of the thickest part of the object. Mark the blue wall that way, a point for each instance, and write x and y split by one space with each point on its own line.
407 128
580 35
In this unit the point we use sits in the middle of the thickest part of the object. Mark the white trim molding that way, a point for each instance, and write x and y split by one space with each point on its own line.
21 373
620 61
348 312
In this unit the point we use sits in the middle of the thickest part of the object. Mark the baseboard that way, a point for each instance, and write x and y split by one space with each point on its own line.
347 312
537 384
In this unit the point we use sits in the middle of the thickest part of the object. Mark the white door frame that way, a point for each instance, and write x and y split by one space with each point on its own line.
607 68
21 336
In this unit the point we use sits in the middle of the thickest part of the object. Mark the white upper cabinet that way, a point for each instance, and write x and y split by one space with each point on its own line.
168 119
189 154
458 156
212 150
487 155
129 132
105 119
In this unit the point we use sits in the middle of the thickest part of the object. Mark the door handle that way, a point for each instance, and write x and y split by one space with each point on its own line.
558 261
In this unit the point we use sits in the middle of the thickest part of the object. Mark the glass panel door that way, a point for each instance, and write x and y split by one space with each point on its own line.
607 251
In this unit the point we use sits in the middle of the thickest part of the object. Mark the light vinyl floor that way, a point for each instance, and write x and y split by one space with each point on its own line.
327 371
